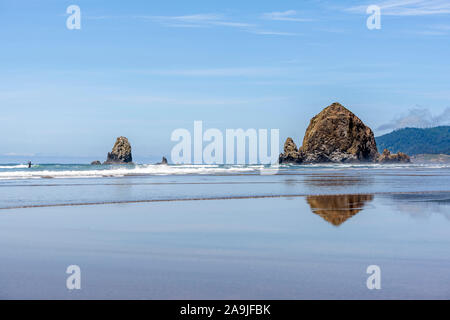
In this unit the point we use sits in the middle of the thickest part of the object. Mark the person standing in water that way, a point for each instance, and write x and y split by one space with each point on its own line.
29 164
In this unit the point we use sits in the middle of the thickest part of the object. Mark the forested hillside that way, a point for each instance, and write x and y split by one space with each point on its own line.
416 141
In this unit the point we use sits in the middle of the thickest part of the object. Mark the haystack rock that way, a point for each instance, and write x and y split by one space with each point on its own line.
334 135
337 135
387 157
121 152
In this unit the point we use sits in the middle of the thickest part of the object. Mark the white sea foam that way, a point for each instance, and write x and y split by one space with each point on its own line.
83 171
128 171
15 166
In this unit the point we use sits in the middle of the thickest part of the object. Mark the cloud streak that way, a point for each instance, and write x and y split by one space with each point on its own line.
181 101
407 7
289 15
209 20
196 20
436 30
221 72
275 33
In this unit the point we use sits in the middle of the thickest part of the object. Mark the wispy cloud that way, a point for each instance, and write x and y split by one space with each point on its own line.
275 33
436 30
220 72
197 20
431 33
430 30
407 7
289 15
193 20
98 17
208 20
442 27
216 101
418 118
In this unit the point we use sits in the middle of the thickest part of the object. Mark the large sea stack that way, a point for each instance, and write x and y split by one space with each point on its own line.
121 152
335 135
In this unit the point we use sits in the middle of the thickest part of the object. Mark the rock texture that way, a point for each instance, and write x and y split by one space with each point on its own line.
387 157
95 163
335 135
291 153
121 152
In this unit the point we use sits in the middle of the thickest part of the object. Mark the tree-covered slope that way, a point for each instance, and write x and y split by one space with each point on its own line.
416 141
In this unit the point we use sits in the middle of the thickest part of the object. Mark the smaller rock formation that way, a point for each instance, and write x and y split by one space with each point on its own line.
163 161
121 152
387 157
95 163
291 153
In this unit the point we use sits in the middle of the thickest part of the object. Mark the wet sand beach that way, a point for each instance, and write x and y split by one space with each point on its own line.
296 235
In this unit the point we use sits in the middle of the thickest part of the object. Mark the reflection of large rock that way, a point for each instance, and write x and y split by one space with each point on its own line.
121 152
336 209
334 135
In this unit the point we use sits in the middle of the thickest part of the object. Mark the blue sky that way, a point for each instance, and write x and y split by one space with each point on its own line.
144 68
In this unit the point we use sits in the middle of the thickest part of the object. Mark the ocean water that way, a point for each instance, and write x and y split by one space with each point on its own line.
225 232
57 184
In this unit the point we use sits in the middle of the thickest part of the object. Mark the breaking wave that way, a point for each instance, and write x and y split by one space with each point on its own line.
83 171
47 171
13 166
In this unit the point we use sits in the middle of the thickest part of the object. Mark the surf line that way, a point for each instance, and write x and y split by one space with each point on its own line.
76 204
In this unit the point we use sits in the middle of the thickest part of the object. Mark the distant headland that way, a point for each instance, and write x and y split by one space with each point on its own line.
415 141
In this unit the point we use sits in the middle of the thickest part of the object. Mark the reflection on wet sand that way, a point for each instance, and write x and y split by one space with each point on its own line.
336 209
422 205
336 181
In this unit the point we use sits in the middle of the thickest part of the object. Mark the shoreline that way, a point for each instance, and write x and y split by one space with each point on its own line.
418 170
79 204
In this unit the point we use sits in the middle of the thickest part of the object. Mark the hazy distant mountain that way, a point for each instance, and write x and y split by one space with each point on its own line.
416 141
